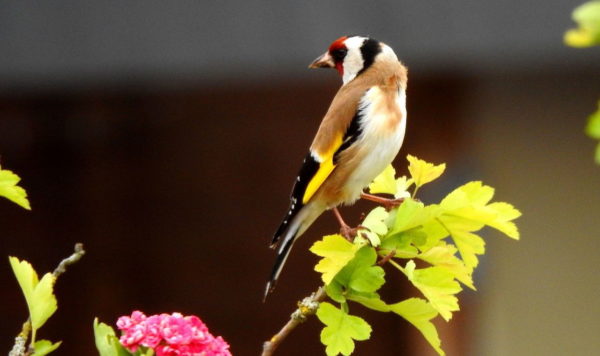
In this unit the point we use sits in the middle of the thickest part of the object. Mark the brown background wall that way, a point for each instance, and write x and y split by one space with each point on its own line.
175 194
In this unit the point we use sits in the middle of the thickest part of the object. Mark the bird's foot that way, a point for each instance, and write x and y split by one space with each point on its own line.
350 232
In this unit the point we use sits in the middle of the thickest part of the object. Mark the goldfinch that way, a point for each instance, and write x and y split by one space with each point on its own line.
359 136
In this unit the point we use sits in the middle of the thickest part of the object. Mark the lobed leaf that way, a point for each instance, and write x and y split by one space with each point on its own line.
437 285
423 172
416 311
341 329
11 191
336 252
39 294
385 182
43 302
359 277
419 313
443 255
376 226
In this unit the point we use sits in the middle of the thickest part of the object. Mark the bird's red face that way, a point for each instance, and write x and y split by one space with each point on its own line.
334 57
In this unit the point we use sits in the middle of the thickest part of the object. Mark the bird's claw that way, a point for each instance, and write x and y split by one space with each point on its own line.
350 232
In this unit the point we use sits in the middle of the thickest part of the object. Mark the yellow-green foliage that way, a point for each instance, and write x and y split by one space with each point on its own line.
443 236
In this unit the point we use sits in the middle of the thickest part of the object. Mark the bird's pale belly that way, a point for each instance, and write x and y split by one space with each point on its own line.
381 152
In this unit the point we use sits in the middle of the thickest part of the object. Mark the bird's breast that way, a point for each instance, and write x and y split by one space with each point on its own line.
383 125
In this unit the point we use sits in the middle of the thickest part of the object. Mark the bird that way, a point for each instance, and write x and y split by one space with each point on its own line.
359 136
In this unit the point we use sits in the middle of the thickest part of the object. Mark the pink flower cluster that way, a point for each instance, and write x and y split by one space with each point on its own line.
170 335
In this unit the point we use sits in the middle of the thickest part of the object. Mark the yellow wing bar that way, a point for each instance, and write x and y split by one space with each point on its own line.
326 166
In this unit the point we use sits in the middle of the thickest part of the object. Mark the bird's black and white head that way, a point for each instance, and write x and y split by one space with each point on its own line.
351 56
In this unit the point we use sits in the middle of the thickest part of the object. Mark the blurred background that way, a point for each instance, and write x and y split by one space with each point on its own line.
165 136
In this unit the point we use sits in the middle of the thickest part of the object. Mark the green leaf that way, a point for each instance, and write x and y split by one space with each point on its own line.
443 255
419 313
336 252
385 182
26 276
376 226
469 245
359 277
472 193
341 330
107 342
38 294
410 214
44 347
43 302
587 17
401 243
437 285
467 206
10 190
402 185
416 311
423 172
592 128
361 274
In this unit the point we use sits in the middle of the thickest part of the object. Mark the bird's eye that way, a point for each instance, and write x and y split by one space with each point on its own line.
339 54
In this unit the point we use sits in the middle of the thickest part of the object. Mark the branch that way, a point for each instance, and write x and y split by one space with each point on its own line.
19 348
307 307
76 256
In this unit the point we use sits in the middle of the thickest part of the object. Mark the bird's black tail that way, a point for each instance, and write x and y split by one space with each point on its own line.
293 227
282 254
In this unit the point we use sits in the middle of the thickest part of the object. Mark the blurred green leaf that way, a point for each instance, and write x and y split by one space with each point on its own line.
44 347
592 128
107 342
587 17
10 190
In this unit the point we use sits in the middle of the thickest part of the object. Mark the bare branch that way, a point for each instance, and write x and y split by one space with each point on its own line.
19 348
76 256
307 307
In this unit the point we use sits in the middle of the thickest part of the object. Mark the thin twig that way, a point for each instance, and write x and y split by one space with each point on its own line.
386 258
19 348
307 307
76 256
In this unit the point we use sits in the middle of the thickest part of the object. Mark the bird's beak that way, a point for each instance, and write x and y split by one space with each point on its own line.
323 61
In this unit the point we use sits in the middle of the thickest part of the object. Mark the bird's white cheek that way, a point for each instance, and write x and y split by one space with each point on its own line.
352 65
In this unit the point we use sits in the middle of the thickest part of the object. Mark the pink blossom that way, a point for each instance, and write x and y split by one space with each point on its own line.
153 332
170 335
176 330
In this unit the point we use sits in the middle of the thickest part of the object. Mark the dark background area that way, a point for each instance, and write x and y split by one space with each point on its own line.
166 137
